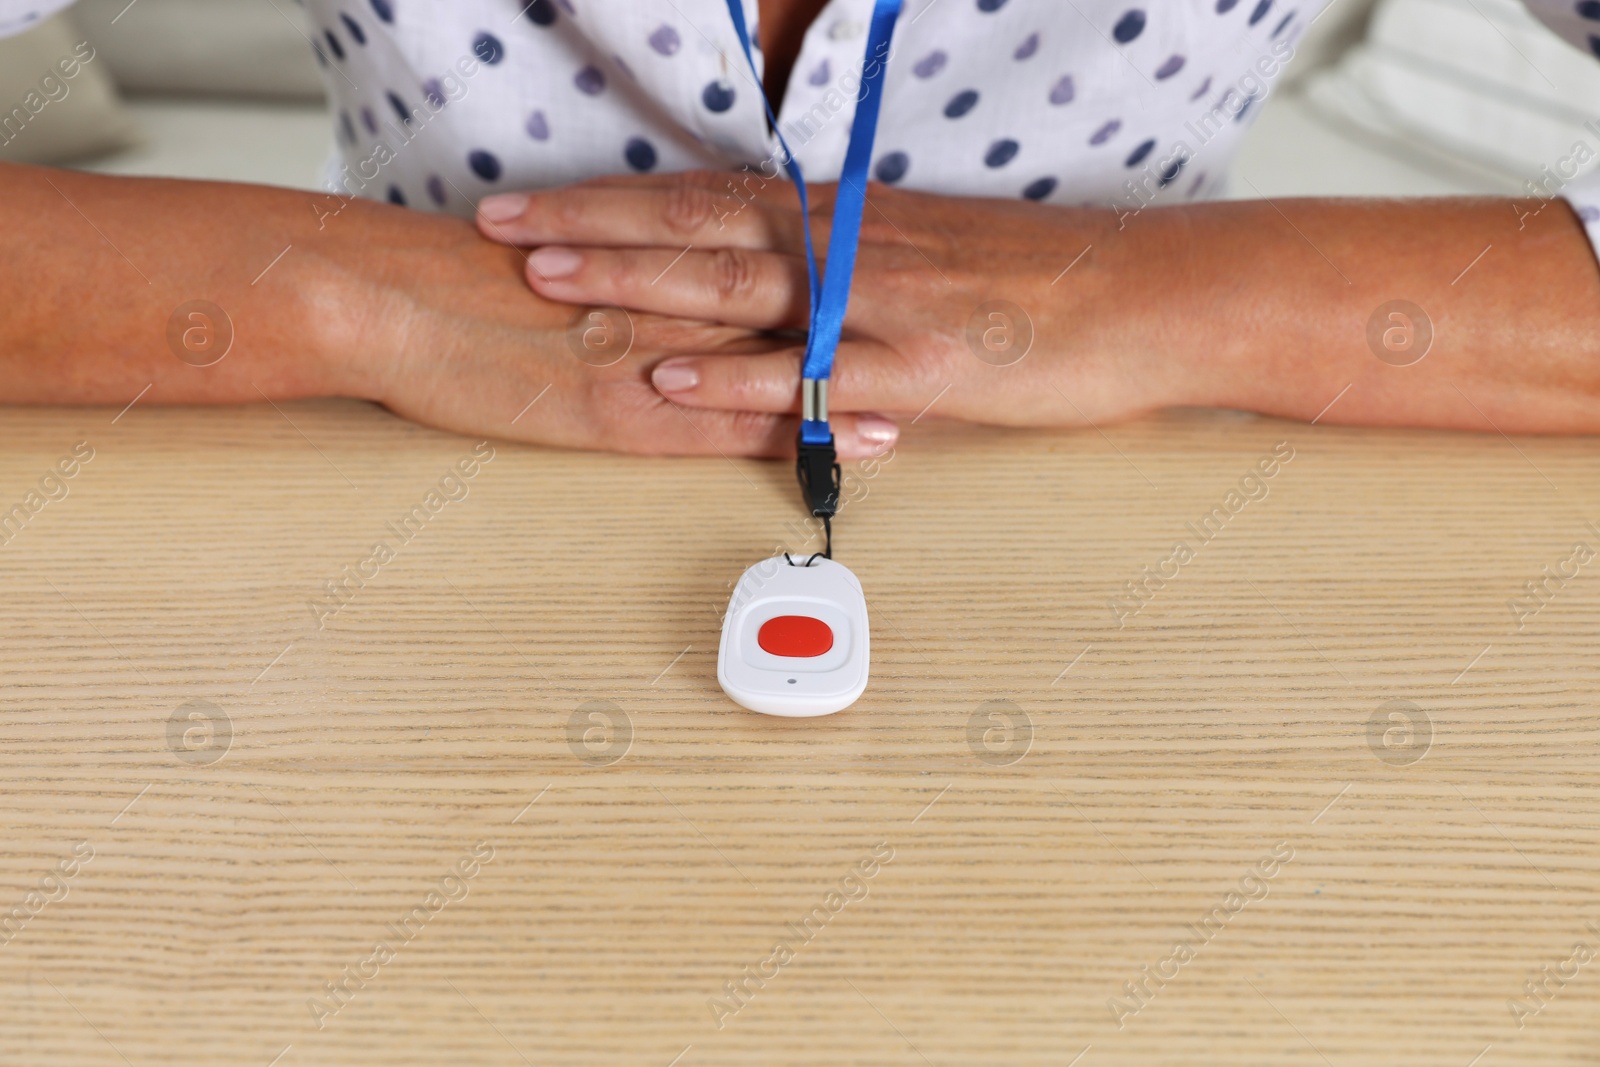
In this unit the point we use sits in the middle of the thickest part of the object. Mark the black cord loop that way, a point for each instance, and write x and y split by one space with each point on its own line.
827 548
817 467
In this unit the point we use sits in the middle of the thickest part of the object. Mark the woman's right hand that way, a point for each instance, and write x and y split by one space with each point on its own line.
446 333
318 296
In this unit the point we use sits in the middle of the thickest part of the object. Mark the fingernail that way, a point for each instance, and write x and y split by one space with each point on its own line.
675 376
876 429
503 207
555 262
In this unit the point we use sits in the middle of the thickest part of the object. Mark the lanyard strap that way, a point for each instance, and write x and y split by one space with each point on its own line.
830 293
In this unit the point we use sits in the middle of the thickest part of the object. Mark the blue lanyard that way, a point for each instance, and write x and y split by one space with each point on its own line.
830 292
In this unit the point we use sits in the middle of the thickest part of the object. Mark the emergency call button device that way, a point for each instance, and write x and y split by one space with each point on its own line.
795 640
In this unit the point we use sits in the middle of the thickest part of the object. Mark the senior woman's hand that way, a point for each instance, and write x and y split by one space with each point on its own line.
116 289
923 319
1261 305
449 338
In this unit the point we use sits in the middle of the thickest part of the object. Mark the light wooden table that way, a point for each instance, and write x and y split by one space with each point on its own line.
1438 861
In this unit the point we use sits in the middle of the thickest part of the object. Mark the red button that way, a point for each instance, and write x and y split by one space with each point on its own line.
796 636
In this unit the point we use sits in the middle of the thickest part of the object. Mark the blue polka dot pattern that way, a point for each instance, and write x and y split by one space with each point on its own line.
997 72
485 165
487 47
665 40
400 109
892 167
930 64
717 97
1039 188
640 154
1000 153
396 196
1106 132
961 103
1594 45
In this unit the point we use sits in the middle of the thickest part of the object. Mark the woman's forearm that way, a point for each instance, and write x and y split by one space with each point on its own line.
113 285
1460 313
1299 308
1283 306
330 297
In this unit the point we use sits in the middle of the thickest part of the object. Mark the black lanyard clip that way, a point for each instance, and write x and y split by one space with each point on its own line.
818 469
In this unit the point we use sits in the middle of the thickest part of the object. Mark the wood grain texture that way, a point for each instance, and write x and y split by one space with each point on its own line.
433 712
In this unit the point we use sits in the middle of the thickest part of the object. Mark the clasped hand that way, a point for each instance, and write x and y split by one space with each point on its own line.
725 251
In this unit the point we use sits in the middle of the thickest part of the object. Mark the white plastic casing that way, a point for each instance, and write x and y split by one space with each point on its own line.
788 685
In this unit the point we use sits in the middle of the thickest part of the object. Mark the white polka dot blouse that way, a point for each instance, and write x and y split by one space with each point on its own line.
437 103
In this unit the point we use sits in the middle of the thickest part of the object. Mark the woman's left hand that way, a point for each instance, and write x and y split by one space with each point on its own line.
993 308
